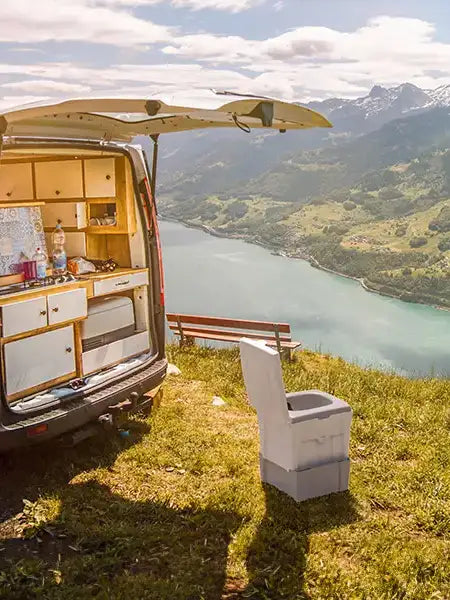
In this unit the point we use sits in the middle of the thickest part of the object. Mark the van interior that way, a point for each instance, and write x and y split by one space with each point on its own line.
73 330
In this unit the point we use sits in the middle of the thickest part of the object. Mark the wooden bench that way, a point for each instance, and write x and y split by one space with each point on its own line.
190 327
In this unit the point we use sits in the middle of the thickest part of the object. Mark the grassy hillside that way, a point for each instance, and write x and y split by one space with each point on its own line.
391 227
176 511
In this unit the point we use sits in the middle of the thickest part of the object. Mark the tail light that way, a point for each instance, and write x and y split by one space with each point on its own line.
37 430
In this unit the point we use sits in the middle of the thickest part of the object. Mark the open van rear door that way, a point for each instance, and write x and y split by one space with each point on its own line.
112 119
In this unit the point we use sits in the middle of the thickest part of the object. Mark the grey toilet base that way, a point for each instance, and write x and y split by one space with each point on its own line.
308 483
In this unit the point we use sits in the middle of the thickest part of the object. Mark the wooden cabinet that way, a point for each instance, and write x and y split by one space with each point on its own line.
16 182
26 315
59 179
40 359
67 306
99 177
71 214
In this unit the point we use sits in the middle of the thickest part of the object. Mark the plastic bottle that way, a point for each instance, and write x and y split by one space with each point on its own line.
59 253
41 264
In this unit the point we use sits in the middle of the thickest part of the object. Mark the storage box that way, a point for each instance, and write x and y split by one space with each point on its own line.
304 484
318 432
109 319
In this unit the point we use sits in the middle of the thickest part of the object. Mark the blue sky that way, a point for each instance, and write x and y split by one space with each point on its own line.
294 49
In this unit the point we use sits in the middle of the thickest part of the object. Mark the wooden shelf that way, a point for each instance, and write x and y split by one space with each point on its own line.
20 204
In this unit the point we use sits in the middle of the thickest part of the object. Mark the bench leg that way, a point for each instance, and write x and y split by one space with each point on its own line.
286 353
187 340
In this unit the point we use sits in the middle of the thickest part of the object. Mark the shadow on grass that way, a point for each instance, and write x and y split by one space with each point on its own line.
277 557
104 545
38 470
101 544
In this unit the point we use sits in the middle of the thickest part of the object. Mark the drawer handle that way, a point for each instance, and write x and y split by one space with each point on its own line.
43 313
9 194
108 177
123 282
57 192
69 349
55 309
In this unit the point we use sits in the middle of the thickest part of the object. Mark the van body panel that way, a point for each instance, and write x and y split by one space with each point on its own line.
81 406
102 130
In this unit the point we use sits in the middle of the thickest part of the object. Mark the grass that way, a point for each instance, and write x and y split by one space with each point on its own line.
384 232
176 509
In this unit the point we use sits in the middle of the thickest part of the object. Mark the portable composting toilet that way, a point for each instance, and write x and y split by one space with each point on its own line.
304 436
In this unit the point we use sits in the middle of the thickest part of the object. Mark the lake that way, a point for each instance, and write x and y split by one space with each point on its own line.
231 278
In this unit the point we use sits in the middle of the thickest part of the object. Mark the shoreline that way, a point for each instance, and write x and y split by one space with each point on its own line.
284 254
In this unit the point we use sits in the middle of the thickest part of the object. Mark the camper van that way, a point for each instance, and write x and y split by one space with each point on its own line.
81 280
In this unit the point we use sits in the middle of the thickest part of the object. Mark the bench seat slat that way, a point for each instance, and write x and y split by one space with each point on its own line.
199 331
223 322
236 337
290 345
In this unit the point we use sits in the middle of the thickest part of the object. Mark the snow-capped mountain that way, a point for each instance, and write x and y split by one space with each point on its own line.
381 105
440 96
218 158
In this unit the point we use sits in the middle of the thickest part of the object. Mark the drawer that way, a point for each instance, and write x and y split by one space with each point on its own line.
67 306
117 284
99 177
26 315
16 182
59 179
38 359
109 354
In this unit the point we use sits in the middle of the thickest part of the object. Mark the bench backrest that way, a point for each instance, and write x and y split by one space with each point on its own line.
199 323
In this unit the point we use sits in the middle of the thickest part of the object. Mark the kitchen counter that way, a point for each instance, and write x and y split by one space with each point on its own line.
82 281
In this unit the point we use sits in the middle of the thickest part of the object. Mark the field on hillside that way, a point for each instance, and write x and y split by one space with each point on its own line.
175 509
356 233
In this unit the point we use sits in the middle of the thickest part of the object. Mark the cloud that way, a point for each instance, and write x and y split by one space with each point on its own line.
46 86
10 101
76 20
320 61
233 6
301 64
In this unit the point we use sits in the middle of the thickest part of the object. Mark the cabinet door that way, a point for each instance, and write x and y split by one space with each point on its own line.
59 179
35 360
71 214
27 315
99 177
16 182
66 306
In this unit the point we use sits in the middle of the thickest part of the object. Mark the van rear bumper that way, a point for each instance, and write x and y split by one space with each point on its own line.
77 412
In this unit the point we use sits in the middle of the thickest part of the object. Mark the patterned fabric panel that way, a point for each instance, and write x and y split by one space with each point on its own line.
21 231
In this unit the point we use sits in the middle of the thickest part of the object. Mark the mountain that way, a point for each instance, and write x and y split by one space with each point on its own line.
378 107
376 208
215 161
301 175
311 173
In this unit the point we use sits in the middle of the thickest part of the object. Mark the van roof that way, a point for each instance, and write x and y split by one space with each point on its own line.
121 119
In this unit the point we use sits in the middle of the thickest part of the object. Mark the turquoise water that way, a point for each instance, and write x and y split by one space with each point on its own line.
230 278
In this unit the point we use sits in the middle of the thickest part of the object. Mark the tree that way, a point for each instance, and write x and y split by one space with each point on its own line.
418 241
236 210
444 244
